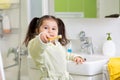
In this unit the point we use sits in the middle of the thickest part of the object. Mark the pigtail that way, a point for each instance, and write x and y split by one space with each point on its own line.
31 33
61 31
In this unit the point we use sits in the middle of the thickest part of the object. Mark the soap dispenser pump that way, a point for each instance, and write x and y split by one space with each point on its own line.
109 47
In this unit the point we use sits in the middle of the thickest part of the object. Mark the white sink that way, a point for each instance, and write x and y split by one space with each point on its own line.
93 65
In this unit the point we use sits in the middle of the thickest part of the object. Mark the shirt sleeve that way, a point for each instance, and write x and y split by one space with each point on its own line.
71 56
36 49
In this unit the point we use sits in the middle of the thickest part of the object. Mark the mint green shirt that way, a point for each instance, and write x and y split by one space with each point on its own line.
50 59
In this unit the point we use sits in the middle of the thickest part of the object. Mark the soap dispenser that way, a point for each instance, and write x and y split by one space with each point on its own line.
6 24
109 47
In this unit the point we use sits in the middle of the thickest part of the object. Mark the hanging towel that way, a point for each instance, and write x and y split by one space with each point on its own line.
5 4
6 24
114 68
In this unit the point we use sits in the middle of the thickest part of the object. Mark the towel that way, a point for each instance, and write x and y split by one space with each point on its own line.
114 68
5 4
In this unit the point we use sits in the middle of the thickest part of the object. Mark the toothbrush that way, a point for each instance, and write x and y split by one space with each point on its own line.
57 37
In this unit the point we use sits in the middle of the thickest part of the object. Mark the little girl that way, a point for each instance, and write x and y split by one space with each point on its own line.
49 54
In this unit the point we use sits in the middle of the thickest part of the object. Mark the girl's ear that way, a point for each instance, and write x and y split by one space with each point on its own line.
37 31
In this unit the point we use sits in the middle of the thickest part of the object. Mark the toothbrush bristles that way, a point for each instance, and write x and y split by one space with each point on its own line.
59 36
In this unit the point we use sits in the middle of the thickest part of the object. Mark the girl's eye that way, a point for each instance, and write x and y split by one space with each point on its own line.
53 28
45 28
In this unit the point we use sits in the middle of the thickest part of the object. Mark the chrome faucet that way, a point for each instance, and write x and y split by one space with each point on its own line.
86 45
18 52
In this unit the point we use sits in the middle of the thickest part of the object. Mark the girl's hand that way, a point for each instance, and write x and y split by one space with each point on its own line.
44 37
79 59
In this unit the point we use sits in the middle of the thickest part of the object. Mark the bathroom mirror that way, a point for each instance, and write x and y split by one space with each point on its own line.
84 8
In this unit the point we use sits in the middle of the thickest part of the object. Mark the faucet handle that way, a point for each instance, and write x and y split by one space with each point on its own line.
82 34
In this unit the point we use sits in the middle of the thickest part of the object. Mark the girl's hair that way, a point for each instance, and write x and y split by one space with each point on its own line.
33 29
61 31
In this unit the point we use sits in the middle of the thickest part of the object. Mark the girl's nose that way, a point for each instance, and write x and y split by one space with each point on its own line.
50 30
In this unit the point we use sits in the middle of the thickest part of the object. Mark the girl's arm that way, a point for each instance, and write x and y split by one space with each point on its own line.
36 44
75 58
35 49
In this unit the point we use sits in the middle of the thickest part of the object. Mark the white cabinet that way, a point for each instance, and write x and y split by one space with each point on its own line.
108 7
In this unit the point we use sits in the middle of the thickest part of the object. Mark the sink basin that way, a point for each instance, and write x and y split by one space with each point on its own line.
93 65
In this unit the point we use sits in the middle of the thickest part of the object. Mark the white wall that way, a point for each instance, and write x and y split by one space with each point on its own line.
94 28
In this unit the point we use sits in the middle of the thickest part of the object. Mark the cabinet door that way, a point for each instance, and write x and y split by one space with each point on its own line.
87 7
90 8
68 5
60 6
108 7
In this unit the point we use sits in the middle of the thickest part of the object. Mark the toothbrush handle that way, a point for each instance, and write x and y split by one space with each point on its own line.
57 37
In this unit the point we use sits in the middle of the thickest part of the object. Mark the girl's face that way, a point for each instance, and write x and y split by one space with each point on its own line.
49 26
